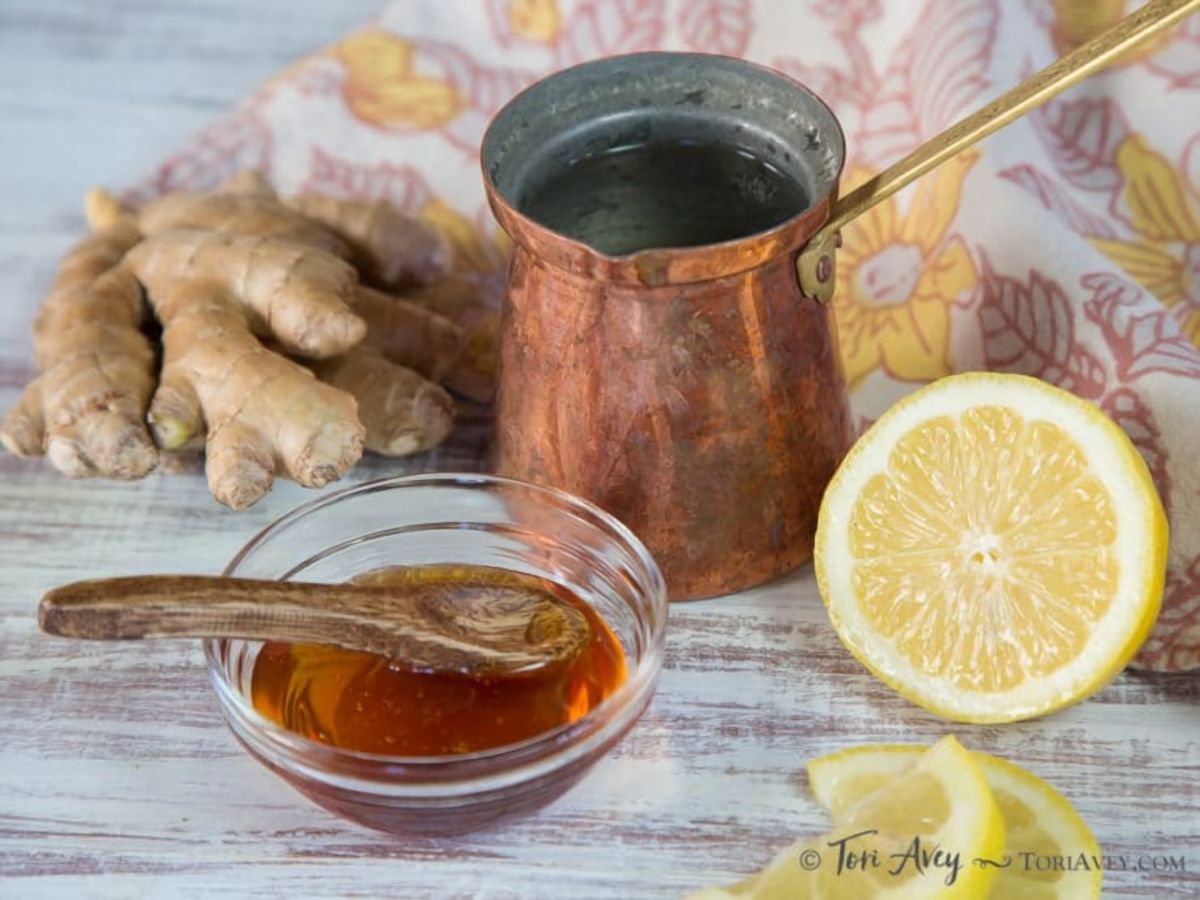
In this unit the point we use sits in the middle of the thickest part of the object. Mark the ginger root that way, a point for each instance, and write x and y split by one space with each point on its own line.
389 374
392 250
410 334
293 291
257 411
262 412
260 216
275 358
249 183
86 407
462 299
242 207
402 411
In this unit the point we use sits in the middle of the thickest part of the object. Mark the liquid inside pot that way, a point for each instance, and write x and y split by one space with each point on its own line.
662 193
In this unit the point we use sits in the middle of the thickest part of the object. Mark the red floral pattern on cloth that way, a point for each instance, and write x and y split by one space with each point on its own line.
1065 247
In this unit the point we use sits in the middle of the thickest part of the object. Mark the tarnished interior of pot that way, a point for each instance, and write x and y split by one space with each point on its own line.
663 149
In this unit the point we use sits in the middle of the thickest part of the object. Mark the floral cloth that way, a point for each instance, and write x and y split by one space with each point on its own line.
1066 247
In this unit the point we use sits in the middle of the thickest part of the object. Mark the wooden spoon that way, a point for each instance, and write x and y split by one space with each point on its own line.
470 629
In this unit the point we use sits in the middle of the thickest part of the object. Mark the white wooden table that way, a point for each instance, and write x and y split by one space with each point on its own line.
117 777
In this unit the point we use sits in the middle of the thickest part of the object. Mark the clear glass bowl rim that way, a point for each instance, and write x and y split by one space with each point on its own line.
547 751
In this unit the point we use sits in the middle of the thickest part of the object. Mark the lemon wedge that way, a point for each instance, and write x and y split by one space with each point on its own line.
914 838
1050 852
993 548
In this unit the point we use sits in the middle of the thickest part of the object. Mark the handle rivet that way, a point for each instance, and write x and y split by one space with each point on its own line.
824 269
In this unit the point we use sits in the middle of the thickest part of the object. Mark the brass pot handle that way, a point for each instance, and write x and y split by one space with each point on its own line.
815 265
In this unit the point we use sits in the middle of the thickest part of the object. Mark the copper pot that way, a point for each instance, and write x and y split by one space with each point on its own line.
694 392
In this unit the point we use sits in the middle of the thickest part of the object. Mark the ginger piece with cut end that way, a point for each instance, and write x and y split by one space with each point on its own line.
296 293
103 211
409 334
86 408
391 249
261 412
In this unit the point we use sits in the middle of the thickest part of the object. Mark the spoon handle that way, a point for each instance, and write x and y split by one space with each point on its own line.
449 628
1153 18
193 606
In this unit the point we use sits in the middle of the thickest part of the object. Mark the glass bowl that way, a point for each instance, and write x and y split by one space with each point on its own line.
451 519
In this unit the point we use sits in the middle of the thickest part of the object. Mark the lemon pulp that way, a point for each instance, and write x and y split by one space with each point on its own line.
993 547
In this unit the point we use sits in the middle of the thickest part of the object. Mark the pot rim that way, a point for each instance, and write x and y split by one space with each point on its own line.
657 266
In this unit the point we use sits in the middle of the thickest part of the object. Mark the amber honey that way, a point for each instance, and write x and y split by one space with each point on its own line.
359 701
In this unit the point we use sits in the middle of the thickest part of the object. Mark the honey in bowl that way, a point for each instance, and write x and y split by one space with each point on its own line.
367 703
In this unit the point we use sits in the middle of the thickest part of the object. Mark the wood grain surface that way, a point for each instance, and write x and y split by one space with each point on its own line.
117 777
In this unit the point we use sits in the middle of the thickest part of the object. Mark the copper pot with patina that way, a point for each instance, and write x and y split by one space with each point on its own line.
653 359
665 348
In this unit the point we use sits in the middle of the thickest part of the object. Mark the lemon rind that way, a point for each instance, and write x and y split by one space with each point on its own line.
1000 773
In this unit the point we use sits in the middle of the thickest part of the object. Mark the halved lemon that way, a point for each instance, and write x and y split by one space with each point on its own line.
939 803
993 548
1050 852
